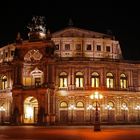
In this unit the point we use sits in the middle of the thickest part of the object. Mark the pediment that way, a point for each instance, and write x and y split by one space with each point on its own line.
77 32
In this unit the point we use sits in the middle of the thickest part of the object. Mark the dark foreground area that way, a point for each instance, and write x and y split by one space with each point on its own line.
121 132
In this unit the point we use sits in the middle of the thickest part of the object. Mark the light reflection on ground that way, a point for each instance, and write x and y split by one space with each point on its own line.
69 133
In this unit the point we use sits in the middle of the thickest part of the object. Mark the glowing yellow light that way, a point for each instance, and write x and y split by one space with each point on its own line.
137 107
2 108
81 82
124 107
42 35
96 95
90 107
29 112
72 107
61 82
91 97
65 82
100 96
63 93
77 82
108 107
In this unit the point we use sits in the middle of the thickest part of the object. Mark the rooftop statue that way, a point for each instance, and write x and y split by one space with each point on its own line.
37 28
37 24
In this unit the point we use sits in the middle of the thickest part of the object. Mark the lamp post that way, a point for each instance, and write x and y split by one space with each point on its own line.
108 107
97 97
72 108
124 108
90 107
2 110
138 109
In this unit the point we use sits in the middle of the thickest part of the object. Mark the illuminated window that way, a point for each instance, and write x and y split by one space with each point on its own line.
79 80
63 80
79 105
63 105
123 81
109 80
95 80
111 104
4 82
35 79
124 106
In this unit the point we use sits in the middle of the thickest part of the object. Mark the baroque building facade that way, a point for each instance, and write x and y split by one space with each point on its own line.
49 79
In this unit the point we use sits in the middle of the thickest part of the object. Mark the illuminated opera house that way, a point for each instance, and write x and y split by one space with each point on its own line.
56 78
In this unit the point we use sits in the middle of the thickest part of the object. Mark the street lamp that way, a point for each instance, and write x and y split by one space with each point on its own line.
138 109
97 97
2 110
90 107
108 108
72 108
124 108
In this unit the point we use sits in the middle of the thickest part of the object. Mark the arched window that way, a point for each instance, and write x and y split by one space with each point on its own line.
109 80
37 77
63 105
109 106
79 79
63 80
123 81
124 106
95 80
4 82
80 104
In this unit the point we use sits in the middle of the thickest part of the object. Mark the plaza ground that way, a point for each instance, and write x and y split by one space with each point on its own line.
118 132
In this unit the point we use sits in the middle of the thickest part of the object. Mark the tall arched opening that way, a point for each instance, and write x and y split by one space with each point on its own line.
30 110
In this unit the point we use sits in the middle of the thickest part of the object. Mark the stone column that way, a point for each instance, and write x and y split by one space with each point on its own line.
17 74
45 75
48 107
72 78
52 107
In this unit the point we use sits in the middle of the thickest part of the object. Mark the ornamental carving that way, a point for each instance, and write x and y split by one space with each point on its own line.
33 55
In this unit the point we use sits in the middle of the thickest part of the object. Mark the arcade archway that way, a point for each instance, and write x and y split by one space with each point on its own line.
30 110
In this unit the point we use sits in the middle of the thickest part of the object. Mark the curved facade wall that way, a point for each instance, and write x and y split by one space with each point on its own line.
50 81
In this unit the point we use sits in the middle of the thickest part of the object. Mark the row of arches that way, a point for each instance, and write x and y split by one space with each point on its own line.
37 80
94 80
30 111
81 112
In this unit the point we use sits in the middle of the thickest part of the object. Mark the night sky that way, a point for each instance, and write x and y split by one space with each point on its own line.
121 20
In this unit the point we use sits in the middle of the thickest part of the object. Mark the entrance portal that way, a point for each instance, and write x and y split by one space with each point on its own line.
30 110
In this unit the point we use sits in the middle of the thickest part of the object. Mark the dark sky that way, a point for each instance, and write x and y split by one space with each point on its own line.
122 20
